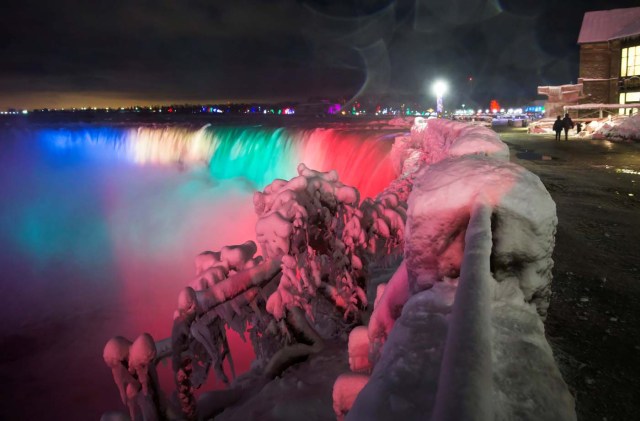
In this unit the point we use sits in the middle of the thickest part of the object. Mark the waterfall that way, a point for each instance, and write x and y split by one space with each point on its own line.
255 154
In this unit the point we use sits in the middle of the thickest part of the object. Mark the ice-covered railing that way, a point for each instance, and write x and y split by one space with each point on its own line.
458 332
317 241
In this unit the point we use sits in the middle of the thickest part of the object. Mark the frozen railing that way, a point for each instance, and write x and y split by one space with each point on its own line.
458 332
316 241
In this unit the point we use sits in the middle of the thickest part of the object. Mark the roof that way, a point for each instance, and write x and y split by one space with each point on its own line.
607 25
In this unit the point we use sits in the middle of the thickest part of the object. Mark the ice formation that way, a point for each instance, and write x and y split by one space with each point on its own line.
455 333
133 367
464 312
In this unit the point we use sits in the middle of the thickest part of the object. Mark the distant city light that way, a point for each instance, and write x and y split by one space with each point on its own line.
323 107
334 109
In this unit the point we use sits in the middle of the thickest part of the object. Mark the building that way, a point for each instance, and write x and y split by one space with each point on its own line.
610 57
560 97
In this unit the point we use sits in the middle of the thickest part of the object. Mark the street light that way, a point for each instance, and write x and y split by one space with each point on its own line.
439 89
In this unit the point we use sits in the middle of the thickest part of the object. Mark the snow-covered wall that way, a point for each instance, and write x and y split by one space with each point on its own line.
458 332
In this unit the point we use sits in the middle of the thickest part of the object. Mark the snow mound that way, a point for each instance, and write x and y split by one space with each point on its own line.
433 140
524 224
615 128
625 129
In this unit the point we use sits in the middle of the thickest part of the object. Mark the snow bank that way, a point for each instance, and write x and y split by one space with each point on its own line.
436 139
524 224
626 129
542 126
616 128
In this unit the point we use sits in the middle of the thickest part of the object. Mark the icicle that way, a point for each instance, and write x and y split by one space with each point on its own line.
255 308
142 353
236 307
116 354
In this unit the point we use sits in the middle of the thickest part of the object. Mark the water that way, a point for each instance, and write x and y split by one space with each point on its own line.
99 227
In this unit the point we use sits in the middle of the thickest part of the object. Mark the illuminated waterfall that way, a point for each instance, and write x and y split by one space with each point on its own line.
255 154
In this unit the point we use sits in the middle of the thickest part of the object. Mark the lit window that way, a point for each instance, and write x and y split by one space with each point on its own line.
630 61
629 98
632 97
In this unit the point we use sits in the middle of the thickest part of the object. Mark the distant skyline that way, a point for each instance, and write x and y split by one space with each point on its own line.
120 53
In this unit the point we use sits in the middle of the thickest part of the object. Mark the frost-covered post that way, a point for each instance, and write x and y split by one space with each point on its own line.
133 366
182 362
302 222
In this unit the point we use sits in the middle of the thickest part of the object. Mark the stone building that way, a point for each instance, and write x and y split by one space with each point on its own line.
610 57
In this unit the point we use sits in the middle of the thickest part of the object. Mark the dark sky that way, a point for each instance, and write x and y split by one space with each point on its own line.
86 52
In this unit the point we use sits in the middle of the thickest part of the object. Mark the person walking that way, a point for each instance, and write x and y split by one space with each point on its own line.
578 127
568 124
557 127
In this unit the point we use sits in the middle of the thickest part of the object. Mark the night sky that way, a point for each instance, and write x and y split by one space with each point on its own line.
97 53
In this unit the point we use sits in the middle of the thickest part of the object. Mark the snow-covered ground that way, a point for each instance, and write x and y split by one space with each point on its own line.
616 128
457 332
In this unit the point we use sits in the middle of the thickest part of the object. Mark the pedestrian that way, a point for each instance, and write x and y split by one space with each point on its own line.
568 124
557 127
578 128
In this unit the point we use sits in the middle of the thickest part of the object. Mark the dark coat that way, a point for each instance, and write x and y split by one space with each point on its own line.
567 123
558 125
